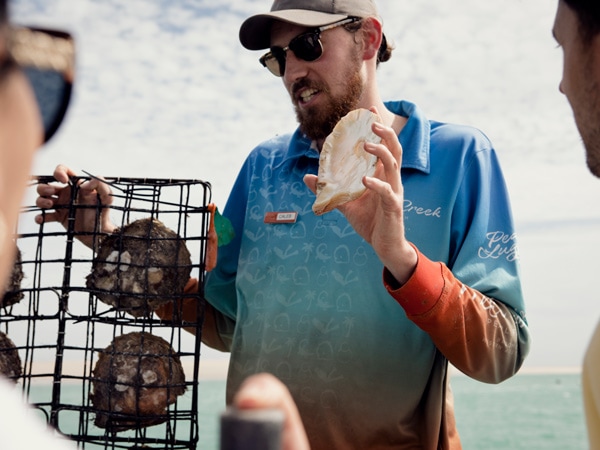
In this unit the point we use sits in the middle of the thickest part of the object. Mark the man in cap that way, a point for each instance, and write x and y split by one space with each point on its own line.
301 296
305 301
577 31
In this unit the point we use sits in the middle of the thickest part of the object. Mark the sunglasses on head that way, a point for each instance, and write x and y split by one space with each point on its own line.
47 58
306 46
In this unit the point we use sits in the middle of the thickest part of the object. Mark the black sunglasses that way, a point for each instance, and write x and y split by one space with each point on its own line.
47 58
306 46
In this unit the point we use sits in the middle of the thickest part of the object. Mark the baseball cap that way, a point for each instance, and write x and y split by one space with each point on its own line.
255 32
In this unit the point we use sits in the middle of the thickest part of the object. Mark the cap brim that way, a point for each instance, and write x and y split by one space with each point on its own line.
255 32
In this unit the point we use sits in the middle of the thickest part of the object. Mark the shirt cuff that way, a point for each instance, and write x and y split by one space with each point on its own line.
422 290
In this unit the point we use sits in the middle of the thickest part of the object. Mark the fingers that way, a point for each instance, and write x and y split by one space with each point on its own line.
388 136
90 190
63 173
311 182
389 152
52 195
46 193
49 197
262 391
47 217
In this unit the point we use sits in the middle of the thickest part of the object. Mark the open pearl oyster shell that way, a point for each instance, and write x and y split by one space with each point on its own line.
344 162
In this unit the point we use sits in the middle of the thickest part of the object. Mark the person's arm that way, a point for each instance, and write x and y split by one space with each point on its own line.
476 323
480 336
215 326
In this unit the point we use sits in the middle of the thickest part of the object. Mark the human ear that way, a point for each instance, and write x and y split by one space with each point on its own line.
372 36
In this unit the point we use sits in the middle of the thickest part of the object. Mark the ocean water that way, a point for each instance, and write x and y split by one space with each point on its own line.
529 411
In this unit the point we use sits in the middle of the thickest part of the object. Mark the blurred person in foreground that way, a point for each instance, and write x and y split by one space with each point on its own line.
359 311
35 86
264 391
36 75
577 31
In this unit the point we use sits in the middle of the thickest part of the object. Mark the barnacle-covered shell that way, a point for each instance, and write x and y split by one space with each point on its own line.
13 293
140 267
10 361
135 379
343 161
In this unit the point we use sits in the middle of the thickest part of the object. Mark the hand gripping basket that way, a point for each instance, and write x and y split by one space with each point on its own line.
94 369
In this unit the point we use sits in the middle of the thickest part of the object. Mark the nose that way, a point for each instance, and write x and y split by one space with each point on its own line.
560 87
295 68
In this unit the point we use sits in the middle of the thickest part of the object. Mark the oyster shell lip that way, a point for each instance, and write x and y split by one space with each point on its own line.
343 162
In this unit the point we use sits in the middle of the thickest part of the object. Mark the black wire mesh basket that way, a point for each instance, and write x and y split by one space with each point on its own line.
96 361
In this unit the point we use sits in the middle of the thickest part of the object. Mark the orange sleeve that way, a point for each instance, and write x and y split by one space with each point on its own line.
480 336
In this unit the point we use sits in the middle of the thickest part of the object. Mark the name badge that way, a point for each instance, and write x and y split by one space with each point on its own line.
281 217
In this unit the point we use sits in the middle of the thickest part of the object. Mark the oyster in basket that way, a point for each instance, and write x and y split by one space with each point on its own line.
13 293
134 381
140 267
10 361
343 161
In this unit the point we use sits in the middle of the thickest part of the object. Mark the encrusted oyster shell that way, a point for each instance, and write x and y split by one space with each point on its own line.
13 293
140 267
135 379
10 361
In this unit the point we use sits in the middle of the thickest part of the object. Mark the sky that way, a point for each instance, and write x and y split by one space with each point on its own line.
164 89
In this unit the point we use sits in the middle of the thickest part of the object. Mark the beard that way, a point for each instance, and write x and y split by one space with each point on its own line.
591 142
587 118
318 122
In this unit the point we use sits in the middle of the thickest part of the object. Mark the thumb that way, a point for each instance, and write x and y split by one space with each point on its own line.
311 182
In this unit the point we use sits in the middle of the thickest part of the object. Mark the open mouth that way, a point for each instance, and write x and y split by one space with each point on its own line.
306 95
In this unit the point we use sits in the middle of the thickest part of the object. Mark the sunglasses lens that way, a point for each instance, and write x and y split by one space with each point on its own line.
274 61
47 57
52 92
307 46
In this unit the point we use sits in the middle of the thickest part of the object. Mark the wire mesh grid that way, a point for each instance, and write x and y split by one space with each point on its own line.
105 374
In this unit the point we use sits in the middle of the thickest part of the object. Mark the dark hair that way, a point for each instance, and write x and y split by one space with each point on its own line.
588 15
385 50
3 11
7 63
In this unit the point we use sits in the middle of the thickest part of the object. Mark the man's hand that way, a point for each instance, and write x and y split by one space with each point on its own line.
55 197
378 214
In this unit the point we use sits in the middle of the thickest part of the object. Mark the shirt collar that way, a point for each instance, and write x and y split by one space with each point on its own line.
414 137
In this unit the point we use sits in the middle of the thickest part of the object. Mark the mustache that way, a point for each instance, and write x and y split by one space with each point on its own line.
305 83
